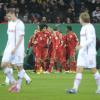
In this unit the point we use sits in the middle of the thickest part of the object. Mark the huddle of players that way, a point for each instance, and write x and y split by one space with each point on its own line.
51 48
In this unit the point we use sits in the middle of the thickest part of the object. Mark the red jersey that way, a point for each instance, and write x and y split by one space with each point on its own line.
71 39
42 38
56 39
32 39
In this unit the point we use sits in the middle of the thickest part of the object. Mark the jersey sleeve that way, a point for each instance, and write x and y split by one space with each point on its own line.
90 35
20 28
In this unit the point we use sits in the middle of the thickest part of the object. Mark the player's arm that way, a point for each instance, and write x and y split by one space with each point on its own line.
34 37
60 37
30 43
17 45
20 29
20 40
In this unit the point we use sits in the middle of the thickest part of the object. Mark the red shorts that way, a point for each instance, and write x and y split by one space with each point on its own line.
58 54
41 53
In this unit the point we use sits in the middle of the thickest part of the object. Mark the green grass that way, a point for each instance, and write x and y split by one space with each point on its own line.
52 87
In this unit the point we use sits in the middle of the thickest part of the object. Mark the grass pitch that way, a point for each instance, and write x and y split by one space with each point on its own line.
52 87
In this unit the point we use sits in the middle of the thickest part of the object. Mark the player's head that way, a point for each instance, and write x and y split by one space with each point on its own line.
43 26
10 14
69 28
84 18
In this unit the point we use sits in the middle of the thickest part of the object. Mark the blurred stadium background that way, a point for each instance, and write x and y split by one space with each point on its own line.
55 13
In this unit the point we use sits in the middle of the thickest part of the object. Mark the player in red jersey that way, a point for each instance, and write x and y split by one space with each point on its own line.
32 43
57 54
71 43
41 40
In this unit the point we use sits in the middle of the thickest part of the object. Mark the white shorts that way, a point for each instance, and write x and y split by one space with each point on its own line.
16 59
86 61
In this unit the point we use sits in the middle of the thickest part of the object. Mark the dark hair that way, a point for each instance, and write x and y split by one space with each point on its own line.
69 28
42 26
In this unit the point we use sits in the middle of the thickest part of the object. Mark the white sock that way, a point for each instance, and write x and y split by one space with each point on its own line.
97 78
9 75
11 70
7 81
26 77
77 81
20 76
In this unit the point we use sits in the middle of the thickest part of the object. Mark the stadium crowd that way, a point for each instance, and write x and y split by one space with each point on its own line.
51 11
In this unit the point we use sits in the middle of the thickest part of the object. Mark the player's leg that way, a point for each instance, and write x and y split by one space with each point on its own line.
27 78
51 65
52 60
47 62
92 64
38 60
6 65
34 50
7 81
67 59
44 58
78 78
81 64
62 59
97 78
17 86
37 64
63 63
9 75
77 81
7 68
18 62
72 64
22 73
